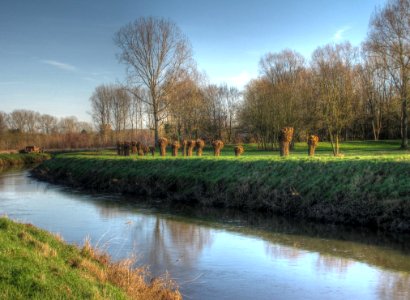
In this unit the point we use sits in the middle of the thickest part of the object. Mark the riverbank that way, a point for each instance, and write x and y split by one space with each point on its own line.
36 264
20 159
370 191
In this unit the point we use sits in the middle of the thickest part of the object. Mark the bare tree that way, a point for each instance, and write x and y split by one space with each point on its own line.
48 123
155 51
333 67
101 108
389 40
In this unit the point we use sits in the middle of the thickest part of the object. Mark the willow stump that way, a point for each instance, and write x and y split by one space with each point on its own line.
200 144
184 150
127 147
134 147
145 149
163 143
190 147
152 150
312 142
175 147
218 146
118 148
285 138
238 150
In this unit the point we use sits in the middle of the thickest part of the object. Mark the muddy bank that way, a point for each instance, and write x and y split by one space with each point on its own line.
360 193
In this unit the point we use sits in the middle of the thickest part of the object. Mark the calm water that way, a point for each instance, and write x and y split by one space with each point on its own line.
220 255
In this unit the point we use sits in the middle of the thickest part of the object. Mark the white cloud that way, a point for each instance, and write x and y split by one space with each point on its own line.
239 80
59 65
339 34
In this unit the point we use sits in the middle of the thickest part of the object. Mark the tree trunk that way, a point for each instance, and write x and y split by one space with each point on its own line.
404 126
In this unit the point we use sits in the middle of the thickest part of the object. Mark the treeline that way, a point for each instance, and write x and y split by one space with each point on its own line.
26 127
342 92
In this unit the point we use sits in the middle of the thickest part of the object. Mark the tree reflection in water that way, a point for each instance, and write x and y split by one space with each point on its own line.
394 286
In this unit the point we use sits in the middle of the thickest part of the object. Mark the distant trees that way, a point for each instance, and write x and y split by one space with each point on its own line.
26 127
155 52
389 43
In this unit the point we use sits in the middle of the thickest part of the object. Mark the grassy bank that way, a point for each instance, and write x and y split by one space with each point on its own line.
370 186
18 159
35 264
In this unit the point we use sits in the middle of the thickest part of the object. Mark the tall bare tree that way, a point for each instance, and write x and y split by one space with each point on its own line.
155 51
389 40
101 109
333 67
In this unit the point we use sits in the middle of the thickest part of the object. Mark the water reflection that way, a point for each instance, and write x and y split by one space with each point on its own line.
221 254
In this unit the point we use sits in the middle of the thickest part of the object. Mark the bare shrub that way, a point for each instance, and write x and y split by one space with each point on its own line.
239 150
190 147
218 146
285 137
163 143
175 147
200 144
312 142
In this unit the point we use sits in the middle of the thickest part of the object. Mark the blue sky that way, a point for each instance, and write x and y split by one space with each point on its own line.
54 53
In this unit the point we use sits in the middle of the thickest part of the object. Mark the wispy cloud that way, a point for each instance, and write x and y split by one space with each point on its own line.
10 82
339 35
59 65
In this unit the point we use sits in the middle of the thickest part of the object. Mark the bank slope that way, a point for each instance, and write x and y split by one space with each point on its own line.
369 191
37 265
20 159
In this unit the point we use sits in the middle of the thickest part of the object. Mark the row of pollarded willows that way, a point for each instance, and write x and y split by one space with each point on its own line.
188 146
286 136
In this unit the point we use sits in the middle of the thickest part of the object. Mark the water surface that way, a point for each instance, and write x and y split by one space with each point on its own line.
216 254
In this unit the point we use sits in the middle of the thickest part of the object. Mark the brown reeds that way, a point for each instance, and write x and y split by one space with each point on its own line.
285 137
123 275
190 147
175 147
312 142
239 150
218 146
200 144
163 143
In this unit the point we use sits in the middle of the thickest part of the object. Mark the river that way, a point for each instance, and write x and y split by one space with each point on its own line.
215 254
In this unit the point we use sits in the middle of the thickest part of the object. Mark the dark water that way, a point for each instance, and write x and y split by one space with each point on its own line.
220 255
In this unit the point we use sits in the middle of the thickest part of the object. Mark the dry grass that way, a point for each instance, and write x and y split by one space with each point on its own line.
122 274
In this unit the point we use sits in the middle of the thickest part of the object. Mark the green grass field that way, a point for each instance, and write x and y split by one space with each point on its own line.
35 264
369 186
